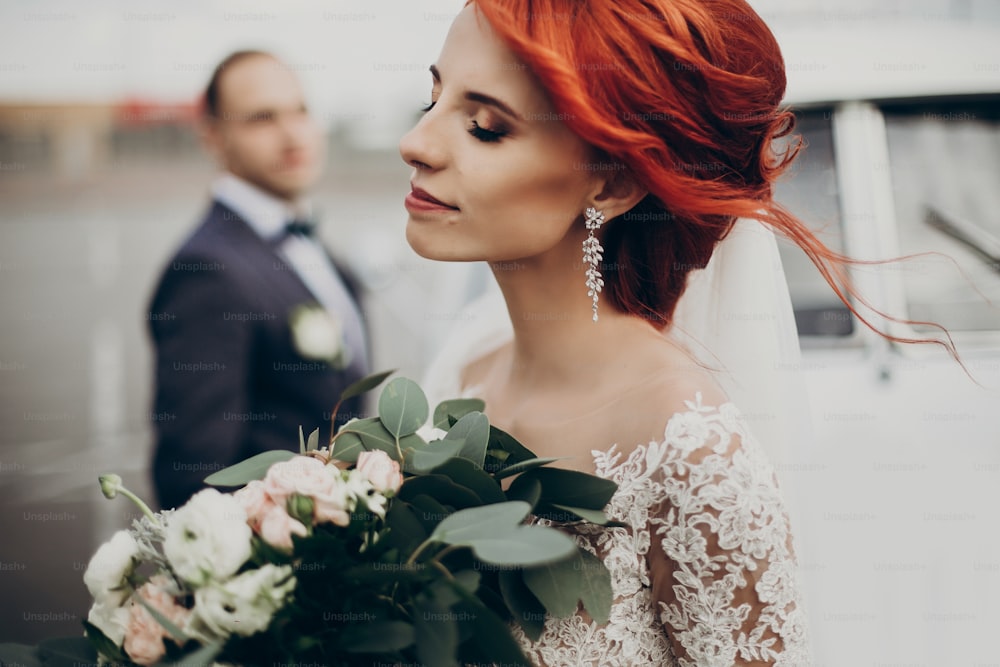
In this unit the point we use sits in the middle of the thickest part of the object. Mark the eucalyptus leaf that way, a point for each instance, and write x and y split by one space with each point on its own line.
525 607
562 585
365 384
525 546
436 634
302 441
347 446
250 469
527 489
22 655
435 453
474 429
525 466
441 488
466 473
500 439
593 516
374 435
403 407
406 531
429 512
378 637
480 523
572 488
457 408
491 643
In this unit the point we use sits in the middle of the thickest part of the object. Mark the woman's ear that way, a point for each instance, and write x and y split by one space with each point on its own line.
618 194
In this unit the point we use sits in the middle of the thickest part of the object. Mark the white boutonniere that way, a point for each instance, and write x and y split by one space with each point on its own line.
319 335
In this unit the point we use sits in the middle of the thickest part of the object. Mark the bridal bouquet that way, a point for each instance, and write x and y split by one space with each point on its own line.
399 542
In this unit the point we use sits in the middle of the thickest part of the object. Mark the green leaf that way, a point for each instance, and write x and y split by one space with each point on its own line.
474 429
378 637
302 441
205 655
22 655
527 489
67 652
457 408
560 586
405 529
436 630
527 610
313 442
250 469
429 512
467 474
440 488
525 546
525 466
593 516
373 435
572 488
402 407
491 642
475 523
347 446
516 452
425 459
365 384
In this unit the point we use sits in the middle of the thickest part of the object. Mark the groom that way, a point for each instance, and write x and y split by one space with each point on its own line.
238 368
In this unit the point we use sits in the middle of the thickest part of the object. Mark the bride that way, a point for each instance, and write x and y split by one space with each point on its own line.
598 155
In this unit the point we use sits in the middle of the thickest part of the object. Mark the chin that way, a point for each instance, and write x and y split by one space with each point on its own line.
431 244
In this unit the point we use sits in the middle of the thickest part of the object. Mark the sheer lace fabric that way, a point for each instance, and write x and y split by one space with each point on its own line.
705 576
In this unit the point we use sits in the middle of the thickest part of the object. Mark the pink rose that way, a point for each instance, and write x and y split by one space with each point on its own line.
277 527
255 501
333 506
379 469
144 635
303 475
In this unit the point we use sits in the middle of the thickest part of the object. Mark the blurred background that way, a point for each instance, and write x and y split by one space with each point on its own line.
897 497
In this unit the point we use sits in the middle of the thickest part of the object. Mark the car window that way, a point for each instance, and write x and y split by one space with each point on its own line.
809 190
944 159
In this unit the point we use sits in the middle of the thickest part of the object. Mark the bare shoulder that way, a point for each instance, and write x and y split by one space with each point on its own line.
672 382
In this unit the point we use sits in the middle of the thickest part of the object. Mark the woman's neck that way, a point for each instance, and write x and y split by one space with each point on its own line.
556 342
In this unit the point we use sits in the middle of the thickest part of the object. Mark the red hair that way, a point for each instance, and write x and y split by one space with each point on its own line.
684 97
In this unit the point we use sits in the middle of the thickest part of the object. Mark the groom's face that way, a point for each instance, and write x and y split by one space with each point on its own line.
262 131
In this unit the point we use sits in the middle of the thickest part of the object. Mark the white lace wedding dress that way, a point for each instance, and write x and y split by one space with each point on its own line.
706 575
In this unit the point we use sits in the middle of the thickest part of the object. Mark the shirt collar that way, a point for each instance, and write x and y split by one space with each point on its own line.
265 213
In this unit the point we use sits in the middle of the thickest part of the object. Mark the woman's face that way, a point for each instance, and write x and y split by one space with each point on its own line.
509 177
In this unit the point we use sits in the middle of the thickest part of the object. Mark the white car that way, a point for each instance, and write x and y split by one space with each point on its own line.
898 495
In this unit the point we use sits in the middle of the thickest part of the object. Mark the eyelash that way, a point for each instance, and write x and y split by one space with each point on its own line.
480 133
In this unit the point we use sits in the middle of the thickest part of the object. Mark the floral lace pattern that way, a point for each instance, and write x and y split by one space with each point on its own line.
706 575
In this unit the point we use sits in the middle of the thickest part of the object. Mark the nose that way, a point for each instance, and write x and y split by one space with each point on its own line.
420 148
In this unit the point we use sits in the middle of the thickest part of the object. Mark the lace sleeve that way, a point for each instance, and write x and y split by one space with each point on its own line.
722 567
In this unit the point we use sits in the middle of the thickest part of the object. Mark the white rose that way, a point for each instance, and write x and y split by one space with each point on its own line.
379 468
207 538
317 334
244 605
106 572
111 619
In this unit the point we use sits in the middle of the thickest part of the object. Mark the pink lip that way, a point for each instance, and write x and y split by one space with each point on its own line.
421 200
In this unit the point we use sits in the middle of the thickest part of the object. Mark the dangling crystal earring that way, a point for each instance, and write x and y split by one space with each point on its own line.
593 253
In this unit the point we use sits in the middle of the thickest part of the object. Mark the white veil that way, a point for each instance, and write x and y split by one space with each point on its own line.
736 319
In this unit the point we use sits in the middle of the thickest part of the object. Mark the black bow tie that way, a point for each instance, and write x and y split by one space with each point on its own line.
304 228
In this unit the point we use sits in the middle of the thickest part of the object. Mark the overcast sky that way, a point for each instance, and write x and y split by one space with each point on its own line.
361 60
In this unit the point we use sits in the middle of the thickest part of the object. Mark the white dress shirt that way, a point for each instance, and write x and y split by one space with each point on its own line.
267 216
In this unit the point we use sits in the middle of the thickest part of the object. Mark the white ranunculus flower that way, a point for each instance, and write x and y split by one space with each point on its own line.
106 572
207 538
109 618
359 487
429 432
244 605
317 334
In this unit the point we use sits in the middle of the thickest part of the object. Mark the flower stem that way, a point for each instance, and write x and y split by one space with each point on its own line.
420 549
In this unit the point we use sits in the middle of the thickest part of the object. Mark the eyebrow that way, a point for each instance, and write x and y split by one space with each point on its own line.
482 98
